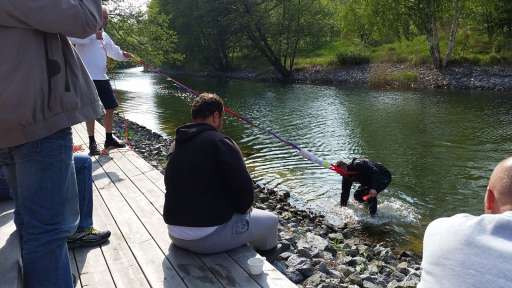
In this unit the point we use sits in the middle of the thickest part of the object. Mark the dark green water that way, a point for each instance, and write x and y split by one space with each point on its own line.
441 146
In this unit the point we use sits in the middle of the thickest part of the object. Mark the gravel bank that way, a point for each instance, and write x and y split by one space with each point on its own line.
311 251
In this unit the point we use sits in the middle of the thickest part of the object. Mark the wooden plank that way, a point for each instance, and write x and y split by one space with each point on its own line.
122 263
9 247
188 265
222 266
270 277
158 271
74 268
228 272
157 178
92 267
150 193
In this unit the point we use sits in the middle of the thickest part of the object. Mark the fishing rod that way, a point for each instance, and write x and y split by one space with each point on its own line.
301 151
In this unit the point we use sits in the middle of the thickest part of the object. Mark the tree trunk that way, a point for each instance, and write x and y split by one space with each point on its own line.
433 41
259 39
453 32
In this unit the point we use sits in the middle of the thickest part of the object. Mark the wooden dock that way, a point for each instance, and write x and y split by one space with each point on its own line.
128 201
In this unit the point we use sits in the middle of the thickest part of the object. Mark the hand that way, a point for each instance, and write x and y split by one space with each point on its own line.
99 35
78 148
127 55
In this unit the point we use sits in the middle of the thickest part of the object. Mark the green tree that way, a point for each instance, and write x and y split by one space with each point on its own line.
147 34
277 29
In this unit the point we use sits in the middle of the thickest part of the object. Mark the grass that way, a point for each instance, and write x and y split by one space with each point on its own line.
470 48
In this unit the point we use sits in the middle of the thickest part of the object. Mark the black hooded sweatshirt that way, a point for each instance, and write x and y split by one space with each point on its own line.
206 179
370 174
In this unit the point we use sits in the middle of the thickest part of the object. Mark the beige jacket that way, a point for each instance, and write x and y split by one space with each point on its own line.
44 86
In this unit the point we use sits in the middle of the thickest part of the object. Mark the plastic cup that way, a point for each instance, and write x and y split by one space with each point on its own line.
256 265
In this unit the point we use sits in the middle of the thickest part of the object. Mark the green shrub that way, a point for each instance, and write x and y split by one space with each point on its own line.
344 58
383 79
405 77
492 59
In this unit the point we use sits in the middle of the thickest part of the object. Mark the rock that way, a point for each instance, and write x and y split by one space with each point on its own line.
279 265
353 251
403 284
300 264
367 284
373 268
315 262
315 280
312 245
406 254
369 278
345 270
335 274
355 261
322 267
336 237
398 276
403 268
355 279
285 255
294 276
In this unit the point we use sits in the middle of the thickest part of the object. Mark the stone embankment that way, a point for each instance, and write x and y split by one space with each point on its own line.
311 251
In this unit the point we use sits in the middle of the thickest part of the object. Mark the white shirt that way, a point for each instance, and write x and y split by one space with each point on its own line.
94 54
190 233
468 251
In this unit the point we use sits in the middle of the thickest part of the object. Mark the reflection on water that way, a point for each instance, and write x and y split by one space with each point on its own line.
441 146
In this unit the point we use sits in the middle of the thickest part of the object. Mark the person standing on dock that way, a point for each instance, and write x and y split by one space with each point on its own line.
372 176
473 251
94 51
209 192
45 89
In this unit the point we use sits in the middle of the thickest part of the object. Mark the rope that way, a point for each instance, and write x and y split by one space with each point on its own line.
303 152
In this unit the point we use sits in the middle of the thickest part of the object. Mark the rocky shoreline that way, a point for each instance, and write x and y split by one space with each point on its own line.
392 76
311 251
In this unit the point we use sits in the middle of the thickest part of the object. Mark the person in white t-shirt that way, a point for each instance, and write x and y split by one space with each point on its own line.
473 251
94 51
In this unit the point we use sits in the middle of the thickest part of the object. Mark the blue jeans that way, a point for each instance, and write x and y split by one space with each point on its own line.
83 171
42 181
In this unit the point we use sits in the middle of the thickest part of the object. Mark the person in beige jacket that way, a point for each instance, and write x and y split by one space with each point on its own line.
44 90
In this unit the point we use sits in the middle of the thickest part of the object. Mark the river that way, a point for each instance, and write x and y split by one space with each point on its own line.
441 146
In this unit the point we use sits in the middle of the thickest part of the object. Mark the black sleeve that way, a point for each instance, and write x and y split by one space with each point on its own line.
368 171
346 184
235 177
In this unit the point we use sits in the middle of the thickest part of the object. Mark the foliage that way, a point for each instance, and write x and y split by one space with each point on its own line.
288 34
147 34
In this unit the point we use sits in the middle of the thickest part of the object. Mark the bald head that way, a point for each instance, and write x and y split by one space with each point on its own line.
498 198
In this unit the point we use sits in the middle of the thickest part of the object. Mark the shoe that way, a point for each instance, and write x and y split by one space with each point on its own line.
93 149
89 237
113 144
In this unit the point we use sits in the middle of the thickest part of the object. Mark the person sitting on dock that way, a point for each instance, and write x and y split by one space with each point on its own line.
209 192
473 251
86 235
94 51
373 178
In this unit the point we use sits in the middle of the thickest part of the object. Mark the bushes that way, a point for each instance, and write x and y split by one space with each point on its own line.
344 58
384 79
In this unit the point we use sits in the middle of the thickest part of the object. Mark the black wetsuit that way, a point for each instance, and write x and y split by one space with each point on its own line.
371 175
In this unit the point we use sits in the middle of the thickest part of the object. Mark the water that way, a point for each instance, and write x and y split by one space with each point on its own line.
441 146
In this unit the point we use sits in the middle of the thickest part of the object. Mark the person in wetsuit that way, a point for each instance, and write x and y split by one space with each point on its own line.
372 176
